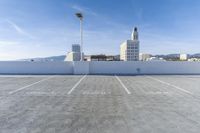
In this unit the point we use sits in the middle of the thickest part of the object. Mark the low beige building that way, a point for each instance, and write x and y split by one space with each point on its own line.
144 57
183 57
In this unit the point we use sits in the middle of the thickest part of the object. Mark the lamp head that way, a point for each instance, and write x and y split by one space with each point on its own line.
79 15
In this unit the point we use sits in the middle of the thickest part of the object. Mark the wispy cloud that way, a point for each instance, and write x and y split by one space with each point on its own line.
139 14
151 42
83 9
5 43
20 30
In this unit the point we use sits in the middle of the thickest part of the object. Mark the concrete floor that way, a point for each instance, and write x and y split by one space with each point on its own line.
100 104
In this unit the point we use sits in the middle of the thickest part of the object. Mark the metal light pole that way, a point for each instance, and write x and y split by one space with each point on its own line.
80 16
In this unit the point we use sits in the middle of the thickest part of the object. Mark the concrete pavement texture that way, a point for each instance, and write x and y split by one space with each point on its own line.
99 104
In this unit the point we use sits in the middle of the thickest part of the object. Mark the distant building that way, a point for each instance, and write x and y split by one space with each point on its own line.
144 57
129 50
183 57
101 58
155 59
117 58
194 59
75 55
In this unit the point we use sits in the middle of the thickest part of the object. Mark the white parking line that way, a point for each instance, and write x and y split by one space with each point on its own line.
74 87
122 84
15 91
166 83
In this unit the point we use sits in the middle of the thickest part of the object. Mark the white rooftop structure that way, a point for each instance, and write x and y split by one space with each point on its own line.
76 48
75 55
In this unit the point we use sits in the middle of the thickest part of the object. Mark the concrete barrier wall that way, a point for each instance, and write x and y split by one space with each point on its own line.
113 67
138 67
81 67
22 67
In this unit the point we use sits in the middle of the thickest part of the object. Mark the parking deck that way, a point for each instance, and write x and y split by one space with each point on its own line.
100 104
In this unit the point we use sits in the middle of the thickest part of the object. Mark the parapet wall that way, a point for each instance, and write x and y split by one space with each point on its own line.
99 67
24 67
156 67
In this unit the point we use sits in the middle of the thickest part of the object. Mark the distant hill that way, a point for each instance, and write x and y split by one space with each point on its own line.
176 57
62 57
51 58
168 56
195 55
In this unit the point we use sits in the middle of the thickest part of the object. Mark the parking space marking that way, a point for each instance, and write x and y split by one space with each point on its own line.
122 84
74 87
25 87
166 83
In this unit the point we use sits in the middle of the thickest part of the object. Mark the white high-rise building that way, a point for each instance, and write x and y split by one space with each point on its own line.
75 55
129 50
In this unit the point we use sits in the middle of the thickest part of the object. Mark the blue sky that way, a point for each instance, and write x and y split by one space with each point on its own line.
39 28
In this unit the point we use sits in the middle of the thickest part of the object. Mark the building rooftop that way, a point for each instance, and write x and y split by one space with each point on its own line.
99 104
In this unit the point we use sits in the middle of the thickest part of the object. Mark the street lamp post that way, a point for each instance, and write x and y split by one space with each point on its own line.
80 16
